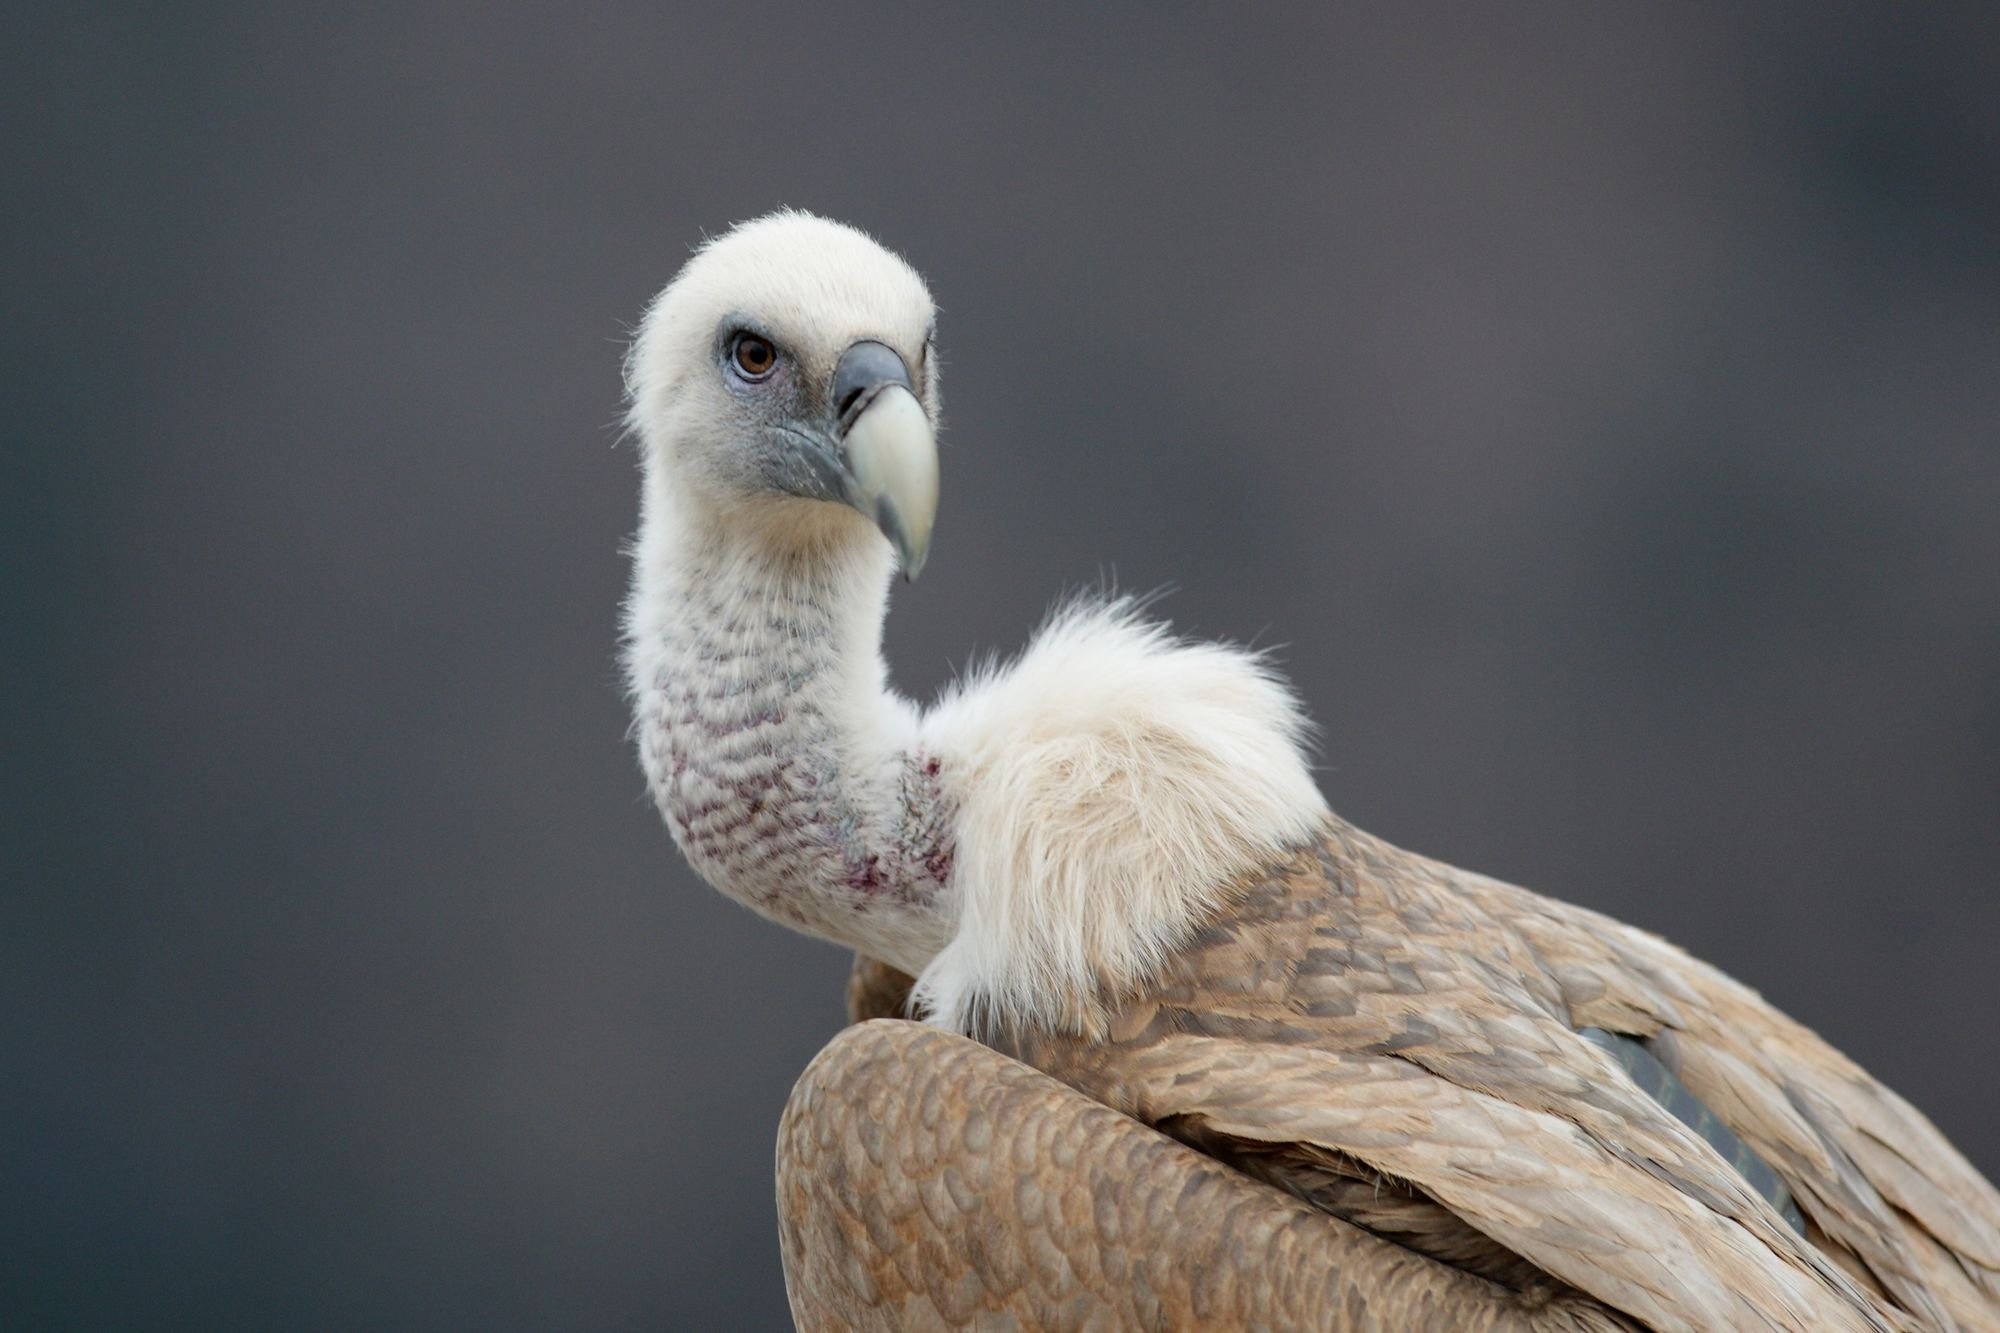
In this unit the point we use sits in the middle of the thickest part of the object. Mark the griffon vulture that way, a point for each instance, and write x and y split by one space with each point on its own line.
1195 1052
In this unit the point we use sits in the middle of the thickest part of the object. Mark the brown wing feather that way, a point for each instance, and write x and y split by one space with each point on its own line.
1533 1181
1369 1004
925 1181
1874 1175
1393 1040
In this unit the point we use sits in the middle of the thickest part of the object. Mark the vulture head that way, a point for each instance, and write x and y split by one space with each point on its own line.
785 383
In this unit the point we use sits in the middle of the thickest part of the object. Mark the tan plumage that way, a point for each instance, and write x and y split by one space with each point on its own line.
926 1181
1392 1041
1381 1092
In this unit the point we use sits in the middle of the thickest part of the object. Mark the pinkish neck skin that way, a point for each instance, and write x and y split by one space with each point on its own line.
787 770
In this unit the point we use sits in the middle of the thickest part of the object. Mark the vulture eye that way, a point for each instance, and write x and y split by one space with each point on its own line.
754 357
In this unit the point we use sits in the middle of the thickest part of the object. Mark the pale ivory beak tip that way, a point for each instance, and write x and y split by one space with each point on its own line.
892 463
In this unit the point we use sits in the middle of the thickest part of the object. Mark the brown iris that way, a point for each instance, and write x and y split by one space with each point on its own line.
755 356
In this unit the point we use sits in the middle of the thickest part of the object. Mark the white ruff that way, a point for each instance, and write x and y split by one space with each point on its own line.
1111 786
1038 839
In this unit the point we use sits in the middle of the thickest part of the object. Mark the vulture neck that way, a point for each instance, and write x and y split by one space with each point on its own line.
788 771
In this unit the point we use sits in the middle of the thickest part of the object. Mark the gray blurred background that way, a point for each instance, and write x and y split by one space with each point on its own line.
1598 403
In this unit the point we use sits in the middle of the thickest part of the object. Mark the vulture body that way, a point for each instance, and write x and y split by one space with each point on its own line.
1194 1052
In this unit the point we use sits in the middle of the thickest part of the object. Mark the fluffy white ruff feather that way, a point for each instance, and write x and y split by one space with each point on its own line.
1112 785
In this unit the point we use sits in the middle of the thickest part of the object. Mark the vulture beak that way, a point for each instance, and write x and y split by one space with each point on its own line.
888 452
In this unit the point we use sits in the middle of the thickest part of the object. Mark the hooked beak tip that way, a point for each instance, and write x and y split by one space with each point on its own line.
891 458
